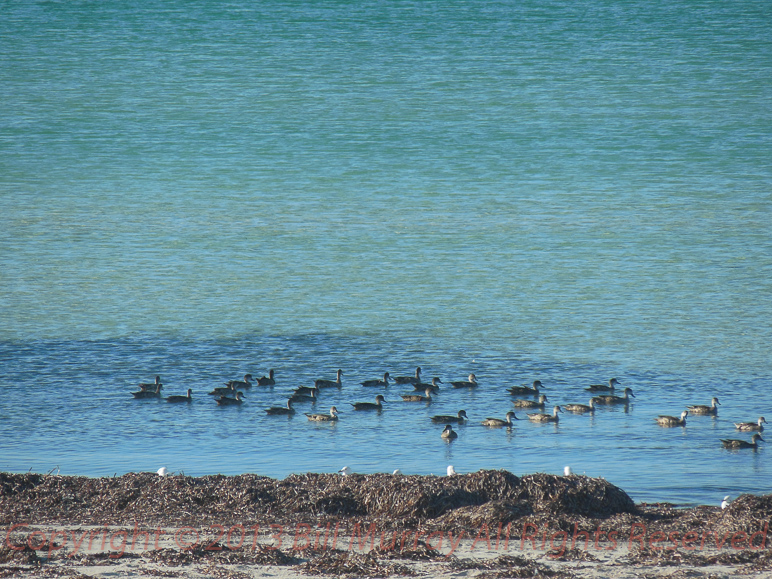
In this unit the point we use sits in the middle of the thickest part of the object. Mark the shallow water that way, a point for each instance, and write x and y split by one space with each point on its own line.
521 191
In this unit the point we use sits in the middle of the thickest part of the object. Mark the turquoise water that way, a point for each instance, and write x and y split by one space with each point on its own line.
517 189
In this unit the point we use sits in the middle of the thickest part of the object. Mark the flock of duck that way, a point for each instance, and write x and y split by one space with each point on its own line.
603 394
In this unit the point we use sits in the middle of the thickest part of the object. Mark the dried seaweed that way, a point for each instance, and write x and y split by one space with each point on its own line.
240 499
222 573
412 506
506 566
570 555
420 552
19 553
350 564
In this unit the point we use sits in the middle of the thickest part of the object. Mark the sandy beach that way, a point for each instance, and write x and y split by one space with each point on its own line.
488 524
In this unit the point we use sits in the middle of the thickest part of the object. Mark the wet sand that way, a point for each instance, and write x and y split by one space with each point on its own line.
487 524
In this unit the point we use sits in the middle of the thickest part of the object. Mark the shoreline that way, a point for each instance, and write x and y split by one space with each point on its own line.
484 524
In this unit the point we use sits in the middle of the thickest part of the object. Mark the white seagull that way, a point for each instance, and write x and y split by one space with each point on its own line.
345 471
451 470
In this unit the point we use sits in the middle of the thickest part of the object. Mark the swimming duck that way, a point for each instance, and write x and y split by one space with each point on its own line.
409 379
303 397
178 398
223 391
611 399
603 388
227 401
152 387
245 383
580 408
732 443
459 419
306 390
499 422
546 417
141 394
525 390
751 426
330 383
418 397
333 415
435 385
281 410
672 420
267 380
706 410
531 403
470 383
384 382
449 433
377 405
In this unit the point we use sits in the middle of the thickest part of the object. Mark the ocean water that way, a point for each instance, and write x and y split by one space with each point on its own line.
523 190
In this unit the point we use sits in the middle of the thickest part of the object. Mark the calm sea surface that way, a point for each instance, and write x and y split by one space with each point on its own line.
525 190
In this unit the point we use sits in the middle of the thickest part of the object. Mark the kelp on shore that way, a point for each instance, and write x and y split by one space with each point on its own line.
411 500
531 507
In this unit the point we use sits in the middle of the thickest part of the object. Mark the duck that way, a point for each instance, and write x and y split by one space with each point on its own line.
546 417
377 405
409 379
434 385
142 394
152 386
672 420
470 383
460 418
525 390
418 397
706 410
580 408
499 422
223 391
531 403
306 390
611 399
245 383
330 383
178 398
333 415
449 433
267 380
603 388
281 410
227 401
303 397
751 426
384 382
733 443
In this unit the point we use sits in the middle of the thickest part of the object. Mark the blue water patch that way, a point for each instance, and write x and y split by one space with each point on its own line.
68 406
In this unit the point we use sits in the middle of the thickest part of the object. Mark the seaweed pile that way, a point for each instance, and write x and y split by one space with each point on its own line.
409 500
542 510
